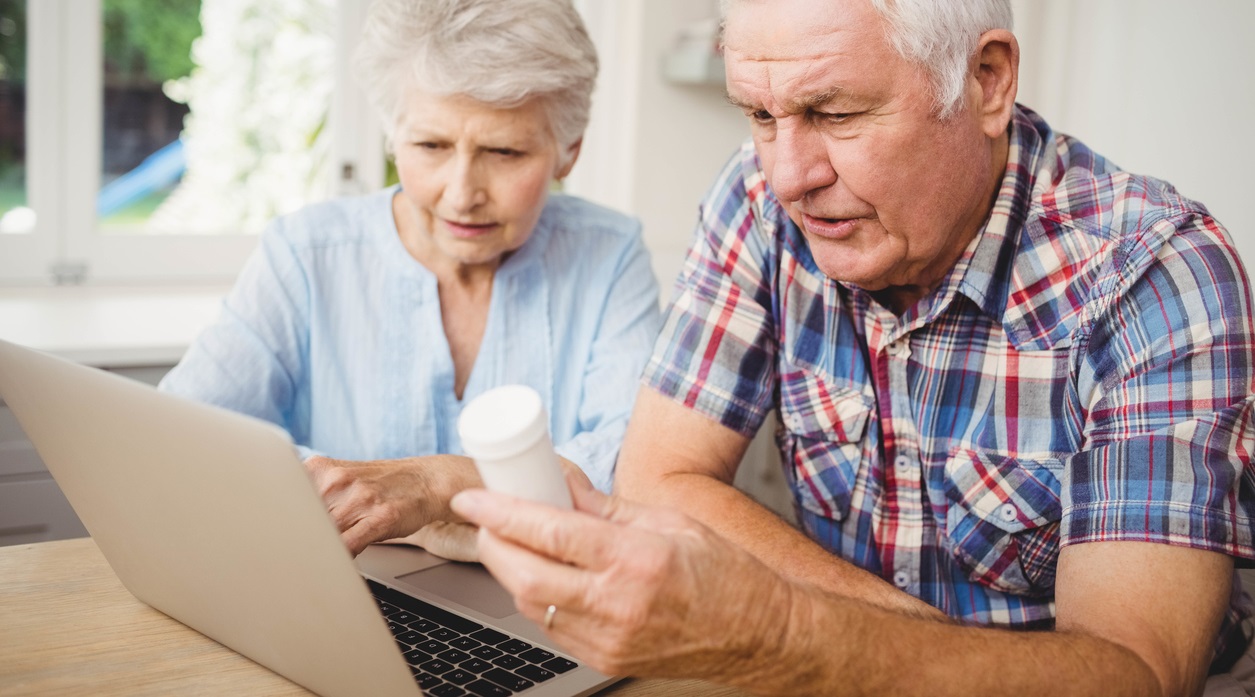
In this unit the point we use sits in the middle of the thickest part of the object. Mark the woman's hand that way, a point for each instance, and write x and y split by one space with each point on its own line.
379 500
637 590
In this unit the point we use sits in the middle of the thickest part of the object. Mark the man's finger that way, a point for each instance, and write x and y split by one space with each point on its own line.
568 536
535 581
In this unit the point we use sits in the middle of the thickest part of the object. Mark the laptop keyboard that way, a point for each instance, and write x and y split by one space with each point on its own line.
452 656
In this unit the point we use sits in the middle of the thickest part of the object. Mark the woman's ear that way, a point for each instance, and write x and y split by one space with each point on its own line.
571 154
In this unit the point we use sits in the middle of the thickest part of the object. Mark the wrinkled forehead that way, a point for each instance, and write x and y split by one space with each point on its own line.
784 48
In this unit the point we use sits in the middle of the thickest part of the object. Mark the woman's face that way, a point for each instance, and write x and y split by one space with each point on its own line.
474 178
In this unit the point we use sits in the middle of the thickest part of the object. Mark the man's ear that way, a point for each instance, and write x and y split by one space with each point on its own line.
572 154
996 73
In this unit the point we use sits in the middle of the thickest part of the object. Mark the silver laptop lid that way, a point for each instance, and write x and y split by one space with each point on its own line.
209 517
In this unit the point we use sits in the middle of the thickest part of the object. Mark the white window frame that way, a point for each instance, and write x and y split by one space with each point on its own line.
63 134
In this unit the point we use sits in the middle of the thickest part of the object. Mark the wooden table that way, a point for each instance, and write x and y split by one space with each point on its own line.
69 627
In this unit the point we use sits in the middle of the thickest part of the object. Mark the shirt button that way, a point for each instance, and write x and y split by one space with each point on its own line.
795 422
902 463
898 348
1008 512
901 579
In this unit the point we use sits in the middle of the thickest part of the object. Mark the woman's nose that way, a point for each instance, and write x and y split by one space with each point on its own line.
465 189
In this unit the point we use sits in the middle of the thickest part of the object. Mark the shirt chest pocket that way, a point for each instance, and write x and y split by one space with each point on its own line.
821 439
1002 523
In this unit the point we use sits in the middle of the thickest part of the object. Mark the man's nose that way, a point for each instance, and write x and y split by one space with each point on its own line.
801 161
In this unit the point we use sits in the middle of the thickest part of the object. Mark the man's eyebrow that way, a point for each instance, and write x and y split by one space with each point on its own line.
799 104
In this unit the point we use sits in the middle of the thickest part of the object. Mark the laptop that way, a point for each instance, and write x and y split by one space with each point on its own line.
209 516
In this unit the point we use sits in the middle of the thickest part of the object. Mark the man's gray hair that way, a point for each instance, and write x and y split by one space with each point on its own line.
499 53
941 36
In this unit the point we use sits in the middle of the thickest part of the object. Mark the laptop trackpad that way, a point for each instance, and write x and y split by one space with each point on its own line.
465 584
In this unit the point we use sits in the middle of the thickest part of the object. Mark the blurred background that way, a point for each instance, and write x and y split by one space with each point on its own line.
145 143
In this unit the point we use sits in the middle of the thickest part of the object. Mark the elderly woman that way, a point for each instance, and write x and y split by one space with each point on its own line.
363 325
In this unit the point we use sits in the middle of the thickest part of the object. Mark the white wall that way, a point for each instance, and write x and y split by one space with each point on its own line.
653 147
1161 87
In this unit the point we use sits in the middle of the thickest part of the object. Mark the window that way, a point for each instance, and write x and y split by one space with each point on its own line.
151 142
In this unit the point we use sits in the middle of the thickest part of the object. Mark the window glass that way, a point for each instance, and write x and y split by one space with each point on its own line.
15 216
214 113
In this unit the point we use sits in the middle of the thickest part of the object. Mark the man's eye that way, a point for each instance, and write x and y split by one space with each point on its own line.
506 152
836 118
762 116
427 145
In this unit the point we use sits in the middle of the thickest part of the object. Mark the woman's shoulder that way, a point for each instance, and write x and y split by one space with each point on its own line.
341 220
566 215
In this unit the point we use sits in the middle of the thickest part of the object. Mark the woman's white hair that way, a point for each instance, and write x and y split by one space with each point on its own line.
499 53
940 35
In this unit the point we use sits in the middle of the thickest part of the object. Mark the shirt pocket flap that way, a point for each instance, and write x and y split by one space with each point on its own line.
1002 523
813 407
822 437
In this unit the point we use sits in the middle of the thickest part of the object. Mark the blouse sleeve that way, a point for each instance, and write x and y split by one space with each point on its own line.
628 324
252 359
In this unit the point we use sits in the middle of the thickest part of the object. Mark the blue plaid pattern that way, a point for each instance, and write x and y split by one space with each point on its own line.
1084 373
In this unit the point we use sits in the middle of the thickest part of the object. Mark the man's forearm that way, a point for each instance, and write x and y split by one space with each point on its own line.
827 646
749 525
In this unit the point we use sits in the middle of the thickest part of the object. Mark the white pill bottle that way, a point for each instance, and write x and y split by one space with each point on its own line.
506 432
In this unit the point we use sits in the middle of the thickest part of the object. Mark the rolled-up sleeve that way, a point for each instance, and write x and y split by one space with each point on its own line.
1169 370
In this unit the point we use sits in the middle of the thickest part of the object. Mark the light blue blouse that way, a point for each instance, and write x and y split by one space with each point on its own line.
333 332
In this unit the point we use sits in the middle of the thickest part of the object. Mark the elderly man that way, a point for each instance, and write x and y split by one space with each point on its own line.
1014 384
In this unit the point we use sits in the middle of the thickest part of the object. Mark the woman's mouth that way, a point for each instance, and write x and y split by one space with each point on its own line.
468 230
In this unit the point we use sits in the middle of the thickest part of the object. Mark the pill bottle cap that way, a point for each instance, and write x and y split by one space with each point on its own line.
502 422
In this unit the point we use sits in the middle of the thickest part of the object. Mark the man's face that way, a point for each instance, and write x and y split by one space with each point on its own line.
885 193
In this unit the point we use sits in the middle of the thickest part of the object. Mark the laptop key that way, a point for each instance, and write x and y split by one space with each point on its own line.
442 634
427 680
509 662
436 667
386 608
487 652
508 680
397 628
464 643
559 665
403 617
536 656
411 637
483 688
422 625
417 657
459 676
534 673
514 646
431 646
489 636
453 656
446 690
476 665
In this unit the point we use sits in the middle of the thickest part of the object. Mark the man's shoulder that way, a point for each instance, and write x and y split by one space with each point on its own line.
1090 234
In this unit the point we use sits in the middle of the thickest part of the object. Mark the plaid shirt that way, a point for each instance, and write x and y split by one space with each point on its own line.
1084 373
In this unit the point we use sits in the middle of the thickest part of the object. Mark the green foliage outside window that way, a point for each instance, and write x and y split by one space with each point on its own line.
147 40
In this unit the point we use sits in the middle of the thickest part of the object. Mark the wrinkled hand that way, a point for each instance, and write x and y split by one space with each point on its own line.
383 499
456 541
639 591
